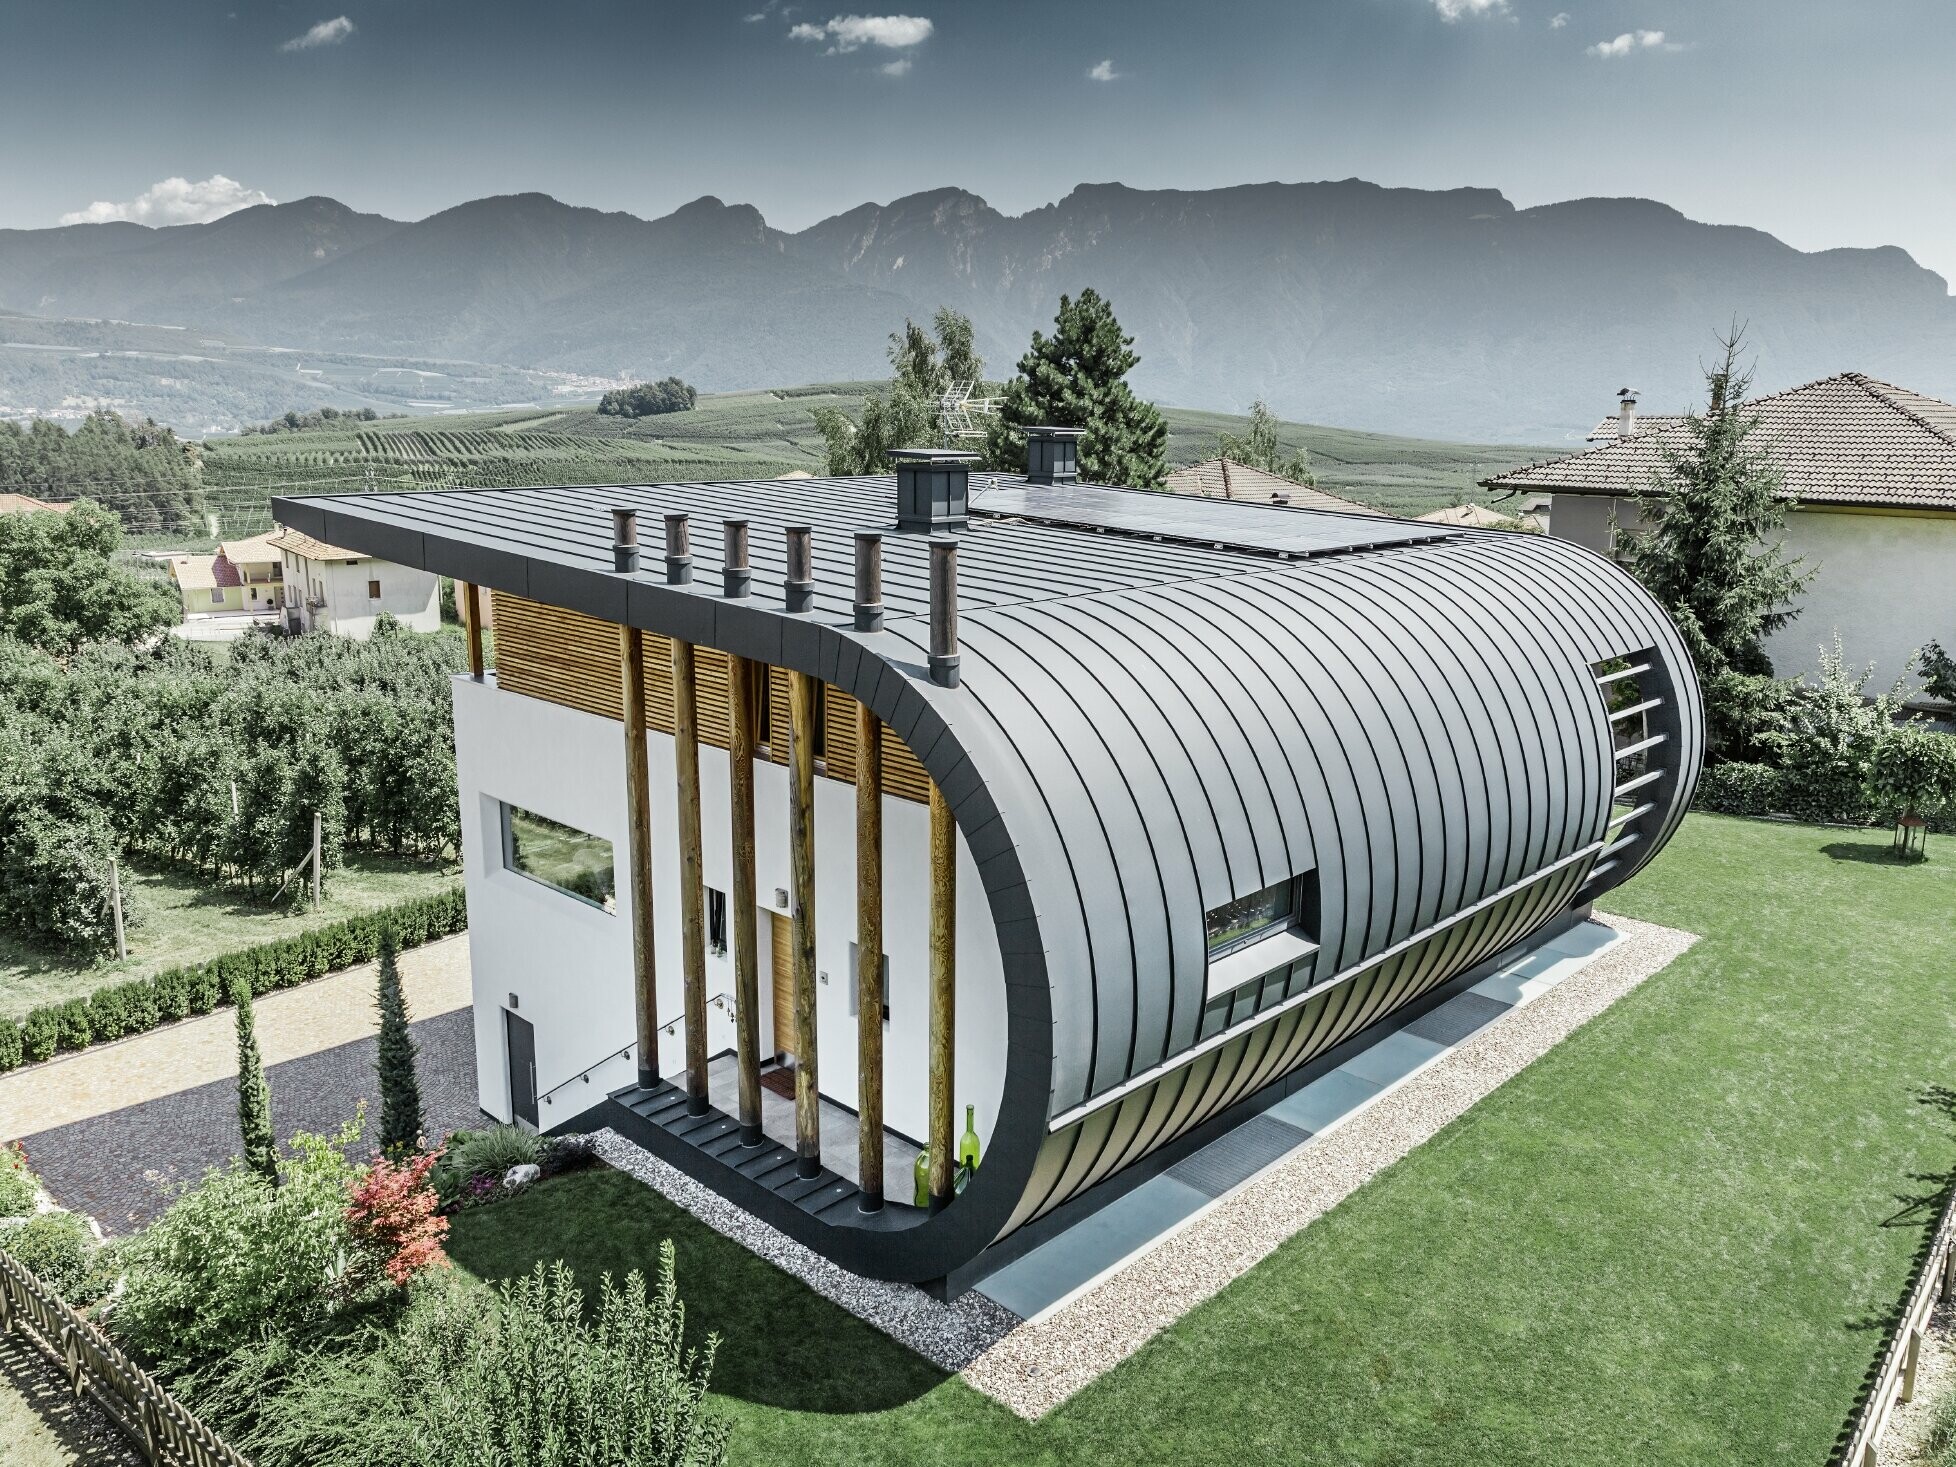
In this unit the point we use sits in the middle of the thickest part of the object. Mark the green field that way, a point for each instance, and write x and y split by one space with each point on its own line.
739 435
186 921
1675 1239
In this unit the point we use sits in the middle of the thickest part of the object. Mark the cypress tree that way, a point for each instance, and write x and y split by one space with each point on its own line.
254 1095
1077 378
400 1090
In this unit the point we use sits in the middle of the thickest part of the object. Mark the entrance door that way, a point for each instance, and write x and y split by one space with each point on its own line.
520 1039
784 984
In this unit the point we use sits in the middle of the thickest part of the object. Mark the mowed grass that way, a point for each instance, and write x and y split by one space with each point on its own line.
1677 1238
186 921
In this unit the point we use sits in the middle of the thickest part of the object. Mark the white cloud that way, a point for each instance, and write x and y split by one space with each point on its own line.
1452 10
326 33
847 33
898 67
1103 71
176 201
1633 41
1558 20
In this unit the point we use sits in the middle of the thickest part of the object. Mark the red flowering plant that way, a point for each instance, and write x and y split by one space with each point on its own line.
392 1215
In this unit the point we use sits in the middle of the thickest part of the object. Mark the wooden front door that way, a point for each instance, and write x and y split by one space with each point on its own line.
784 983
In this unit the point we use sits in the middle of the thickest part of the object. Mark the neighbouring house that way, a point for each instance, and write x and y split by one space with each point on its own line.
328 589
861 806
11 503
1480 517
1869 475
1224 478
244 576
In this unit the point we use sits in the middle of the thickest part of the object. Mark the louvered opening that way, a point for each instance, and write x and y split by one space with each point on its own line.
566 657
1633 702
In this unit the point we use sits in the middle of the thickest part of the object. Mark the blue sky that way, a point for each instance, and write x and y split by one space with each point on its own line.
1826 122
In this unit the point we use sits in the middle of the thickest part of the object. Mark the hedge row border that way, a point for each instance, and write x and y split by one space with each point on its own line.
139 1005
1762 792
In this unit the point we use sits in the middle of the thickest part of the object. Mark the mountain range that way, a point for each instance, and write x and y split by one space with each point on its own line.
1449 313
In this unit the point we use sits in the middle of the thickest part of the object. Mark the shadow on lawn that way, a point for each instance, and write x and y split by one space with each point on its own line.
1871 853
781 1344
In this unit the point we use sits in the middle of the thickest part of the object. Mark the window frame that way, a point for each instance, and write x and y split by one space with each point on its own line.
507 848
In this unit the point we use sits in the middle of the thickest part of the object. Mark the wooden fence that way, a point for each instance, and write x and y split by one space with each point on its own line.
167 1434
1894 1377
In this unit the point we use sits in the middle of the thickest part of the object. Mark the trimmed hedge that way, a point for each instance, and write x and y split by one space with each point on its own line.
1760 790
141 1004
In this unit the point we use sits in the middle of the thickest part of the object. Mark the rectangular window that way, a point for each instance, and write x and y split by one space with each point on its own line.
217 595
559 856
1241 922
373 590
716 922
855 1007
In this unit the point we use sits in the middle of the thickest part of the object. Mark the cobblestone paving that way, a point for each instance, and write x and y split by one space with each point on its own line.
122 1167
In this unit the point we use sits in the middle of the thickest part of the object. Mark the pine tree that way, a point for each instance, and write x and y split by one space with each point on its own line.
254 1095
400 1091
1077 378
1707 552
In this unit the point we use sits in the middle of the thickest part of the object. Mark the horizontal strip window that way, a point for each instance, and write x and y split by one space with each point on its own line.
1249 964
1194 1052
559 856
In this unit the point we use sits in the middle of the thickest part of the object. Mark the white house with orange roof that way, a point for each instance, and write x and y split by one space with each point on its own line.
328 589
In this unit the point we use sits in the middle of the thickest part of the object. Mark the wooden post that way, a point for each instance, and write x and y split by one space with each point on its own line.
747 968
115 902
315 860
692 896
869 956
943 991
1909 1363
801 848
472 619
638 801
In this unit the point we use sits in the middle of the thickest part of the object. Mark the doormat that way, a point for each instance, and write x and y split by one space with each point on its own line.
781 1081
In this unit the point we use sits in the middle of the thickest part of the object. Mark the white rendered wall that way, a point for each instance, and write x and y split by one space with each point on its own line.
570 964
412 597
1887 582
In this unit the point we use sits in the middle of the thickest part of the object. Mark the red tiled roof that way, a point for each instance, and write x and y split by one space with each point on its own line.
1849 439
1224 478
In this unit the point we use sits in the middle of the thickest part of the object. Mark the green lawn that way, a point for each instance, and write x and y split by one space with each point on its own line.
185 921
1675 1239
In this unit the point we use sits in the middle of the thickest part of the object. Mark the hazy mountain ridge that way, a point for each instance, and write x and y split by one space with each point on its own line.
1447 312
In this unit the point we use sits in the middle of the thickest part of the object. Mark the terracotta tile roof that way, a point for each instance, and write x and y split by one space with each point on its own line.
1224 478
11 503
1842 440
1474 516
203 572
255 551
307 548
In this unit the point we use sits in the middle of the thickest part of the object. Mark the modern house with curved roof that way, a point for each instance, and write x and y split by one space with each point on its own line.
864 829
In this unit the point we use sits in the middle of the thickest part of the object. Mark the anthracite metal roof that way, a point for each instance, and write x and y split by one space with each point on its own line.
1406 715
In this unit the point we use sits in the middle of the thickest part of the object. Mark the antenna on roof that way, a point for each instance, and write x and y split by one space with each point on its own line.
959 414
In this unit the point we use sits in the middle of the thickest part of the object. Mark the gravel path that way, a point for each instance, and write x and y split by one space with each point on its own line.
329 1011
123 1166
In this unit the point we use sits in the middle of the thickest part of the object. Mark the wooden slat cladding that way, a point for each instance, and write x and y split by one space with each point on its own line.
567 657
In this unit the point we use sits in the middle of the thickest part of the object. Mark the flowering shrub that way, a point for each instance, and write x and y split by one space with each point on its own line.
17 1186
392 1214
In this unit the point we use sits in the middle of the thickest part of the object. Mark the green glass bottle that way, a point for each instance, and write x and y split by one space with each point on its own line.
922 1174
968 1142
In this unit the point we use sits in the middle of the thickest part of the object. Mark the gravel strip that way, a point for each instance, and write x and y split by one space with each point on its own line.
1034 1367
950 1336
1906 1441
1038 1366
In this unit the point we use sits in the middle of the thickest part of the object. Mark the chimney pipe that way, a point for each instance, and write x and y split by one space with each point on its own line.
624 539
737 575
799 587
869 581
1626 413
933 488
1053 455
944 612
679 551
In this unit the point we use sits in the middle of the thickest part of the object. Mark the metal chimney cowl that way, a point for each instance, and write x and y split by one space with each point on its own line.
1053 455
933 488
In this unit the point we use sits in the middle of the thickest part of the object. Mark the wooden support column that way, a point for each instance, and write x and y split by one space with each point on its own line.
943 991
801 846
869 956
741 675
638 801
472 619
692 894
